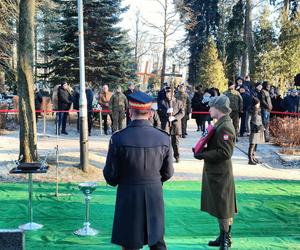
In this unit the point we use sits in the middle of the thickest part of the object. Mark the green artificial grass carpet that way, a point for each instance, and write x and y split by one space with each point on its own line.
268 218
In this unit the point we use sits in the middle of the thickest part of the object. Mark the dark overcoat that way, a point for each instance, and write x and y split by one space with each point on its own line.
174 127
139 160
64 99
218 196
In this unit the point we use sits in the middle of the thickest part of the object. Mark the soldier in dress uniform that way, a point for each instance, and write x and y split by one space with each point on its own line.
171 112
139 160
218 189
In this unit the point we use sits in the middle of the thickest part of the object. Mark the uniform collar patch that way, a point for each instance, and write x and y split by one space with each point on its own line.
226 137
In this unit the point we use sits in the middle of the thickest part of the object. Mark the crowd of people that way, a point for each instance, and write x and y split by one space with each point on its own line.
251 105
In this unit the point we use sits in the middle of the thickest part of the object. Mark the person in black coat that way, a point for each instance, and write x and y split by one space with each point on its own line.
247 102
277 102
291 103
171 113
38 99
64 100
200 104
76 104
129 91
139 160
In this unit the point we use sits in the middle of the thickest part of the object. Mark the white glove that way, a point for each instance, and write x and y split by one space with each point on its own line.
172 118
170 110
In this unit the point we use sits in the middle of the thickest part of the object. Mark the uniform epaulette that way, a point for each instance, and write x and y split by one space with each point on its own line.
162 131
118 131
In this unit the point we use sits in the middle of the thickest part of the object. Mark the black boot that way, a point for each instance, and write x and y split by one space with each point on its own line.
250 154
253 154
216 242
225 243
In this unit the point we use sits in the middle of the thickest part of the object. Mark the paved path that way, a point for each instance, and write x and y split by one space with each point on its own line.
188 168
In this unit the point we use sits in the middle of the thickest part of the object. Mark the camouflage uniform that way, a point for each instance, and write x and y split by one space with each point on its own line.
118 106
184 98
236 105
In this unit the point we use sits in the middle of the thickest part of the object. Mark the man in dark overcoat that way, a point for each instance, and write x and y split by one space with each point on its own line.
139 160
218 189
129 91
171 114
64 99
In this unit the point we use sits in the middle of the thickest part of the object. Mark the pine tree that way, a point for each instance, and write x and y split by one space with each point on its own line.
108 57
266 49
236 46
211 73
289 42
8 37
201 20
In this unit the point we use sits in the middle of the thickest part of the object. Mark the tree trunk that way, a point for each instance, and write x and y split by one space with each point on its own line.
2 81
35 53
286 7
164 56
163 68
28 140
136 43
248 56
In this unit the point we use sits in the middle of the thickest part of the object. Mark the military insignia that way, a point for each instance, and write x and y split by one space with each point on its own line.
226 137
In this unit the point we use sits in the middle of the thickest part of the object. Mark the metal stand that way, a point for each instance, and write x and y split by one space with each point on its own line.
100 119
56 194
30 225
87 189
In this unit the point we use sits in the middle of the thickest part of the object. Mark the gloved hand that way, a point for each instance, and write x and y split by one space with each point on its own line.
198 156
170 110
172 118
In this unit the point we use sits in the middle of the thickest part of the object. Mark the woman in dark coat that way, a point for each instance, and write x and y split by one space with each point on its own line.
218 196
200 104
256 130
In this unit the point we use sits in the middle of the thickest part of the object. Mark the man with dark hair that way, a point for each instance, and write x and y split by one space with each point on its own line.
38 99
64 99
291 103
129 91
139 160
172 111
297 80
